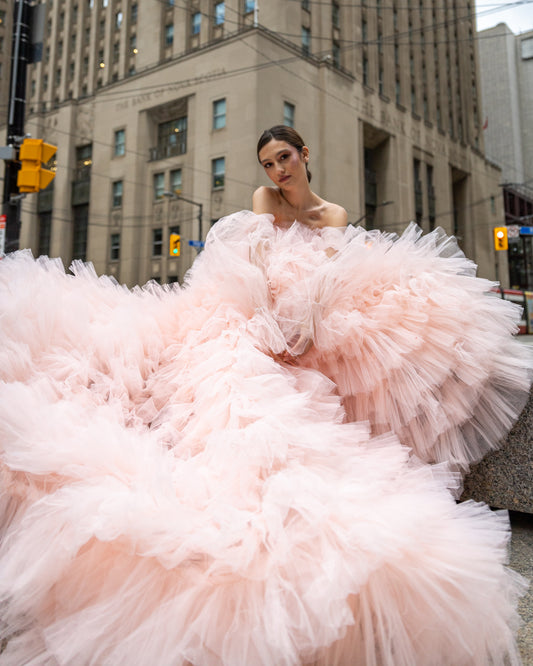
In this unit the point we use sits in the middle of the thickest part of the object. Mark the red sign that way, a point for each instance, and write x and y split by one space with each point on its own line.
3 220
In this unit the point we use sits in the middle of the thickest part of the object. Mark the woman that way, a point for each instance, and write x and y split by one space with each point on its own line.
226 485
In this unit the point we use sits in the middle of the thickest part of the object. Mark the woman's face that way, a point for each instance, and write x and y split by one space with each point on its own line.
283 163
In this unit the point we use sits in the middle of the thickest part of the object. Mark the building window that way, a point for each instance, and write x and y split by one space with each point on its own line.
116 51
117 194
219 114
218 167
85 65
80 226
169 34
134 12
527 48
365 71
120 142
335 15
172 138
159 185
431 196
305 5
196 22
114 249
71 70
45 232
288 114
133 44
175 181
249 6
306 40
220 10
336 51
45 82
58 77
157 242
418 190
118 20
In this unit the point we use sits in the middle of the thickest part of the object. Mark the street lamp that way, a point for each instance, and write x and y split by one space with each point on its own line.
173 195
383 203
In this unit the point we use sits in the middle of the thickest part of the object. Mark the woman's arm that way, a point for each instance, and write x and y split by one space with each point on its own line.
264 201
337 217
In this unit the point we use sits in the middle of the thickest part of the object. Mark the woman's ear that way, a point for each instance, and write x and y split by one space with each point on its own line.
305 153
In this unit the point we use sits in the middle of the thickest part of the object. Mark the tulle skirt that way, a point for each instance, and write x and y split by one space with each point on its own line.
174 494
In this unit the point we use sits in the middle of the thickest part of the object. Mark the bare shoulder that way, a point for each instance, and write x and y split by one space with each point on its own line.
336 216
265 200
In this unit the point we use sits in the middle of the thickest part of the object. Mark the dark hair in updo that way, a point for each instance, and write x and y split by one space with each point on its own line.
283 133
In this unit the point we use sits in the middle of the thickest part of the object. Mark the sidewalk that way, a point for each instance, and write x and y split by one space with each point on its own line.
522 561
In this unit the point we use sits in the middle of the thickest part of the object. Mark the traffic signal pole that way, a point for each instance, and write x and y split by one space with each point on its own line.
20 57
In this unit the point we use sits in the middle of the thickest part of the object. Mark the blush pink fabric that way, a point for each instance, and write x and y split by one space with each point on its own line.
173 495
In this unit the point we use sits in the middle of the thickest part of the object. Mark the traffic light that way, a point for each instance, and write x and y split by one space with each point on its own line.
174 245
32 177
500 238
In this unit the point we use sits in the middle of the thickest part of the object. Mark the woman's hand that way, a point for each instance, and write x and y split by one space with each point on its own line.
302 345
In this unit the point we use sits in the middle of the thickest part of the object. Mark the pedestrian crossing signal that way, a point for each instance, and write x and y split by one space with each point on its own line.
501 238
174 245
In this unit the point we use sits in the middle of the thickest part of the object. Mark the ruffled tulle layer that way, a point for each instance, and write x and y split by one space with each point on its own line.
171 494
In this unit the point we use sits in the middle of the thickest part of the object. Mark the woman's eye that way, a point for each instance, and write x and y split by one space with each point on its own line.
267 165
283 157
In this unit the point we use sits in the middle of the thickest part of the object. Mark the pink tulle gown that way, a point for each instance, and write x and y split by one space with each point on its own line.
174 495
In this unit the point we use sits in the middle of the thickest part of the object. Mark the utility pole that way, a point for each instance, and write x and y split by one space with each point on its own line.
21 54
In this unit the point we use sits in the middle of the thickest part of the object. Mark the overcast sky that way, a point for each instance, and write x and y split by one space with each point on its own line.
517 15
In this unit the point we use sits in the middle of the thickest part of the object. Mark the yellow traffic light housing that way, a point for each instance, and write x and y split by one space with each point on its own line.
501 241
174 245
32 177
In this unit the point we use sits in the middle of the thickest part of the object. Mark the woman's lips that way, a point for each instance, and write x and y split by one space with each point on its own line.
284 179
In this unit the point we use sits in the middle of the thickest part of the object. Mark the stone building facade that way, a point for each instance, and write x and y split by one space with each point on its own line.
506 71
152 101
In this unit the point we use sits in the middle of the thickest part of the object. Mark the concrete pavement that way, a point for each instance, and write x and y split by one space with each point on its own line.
522 561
